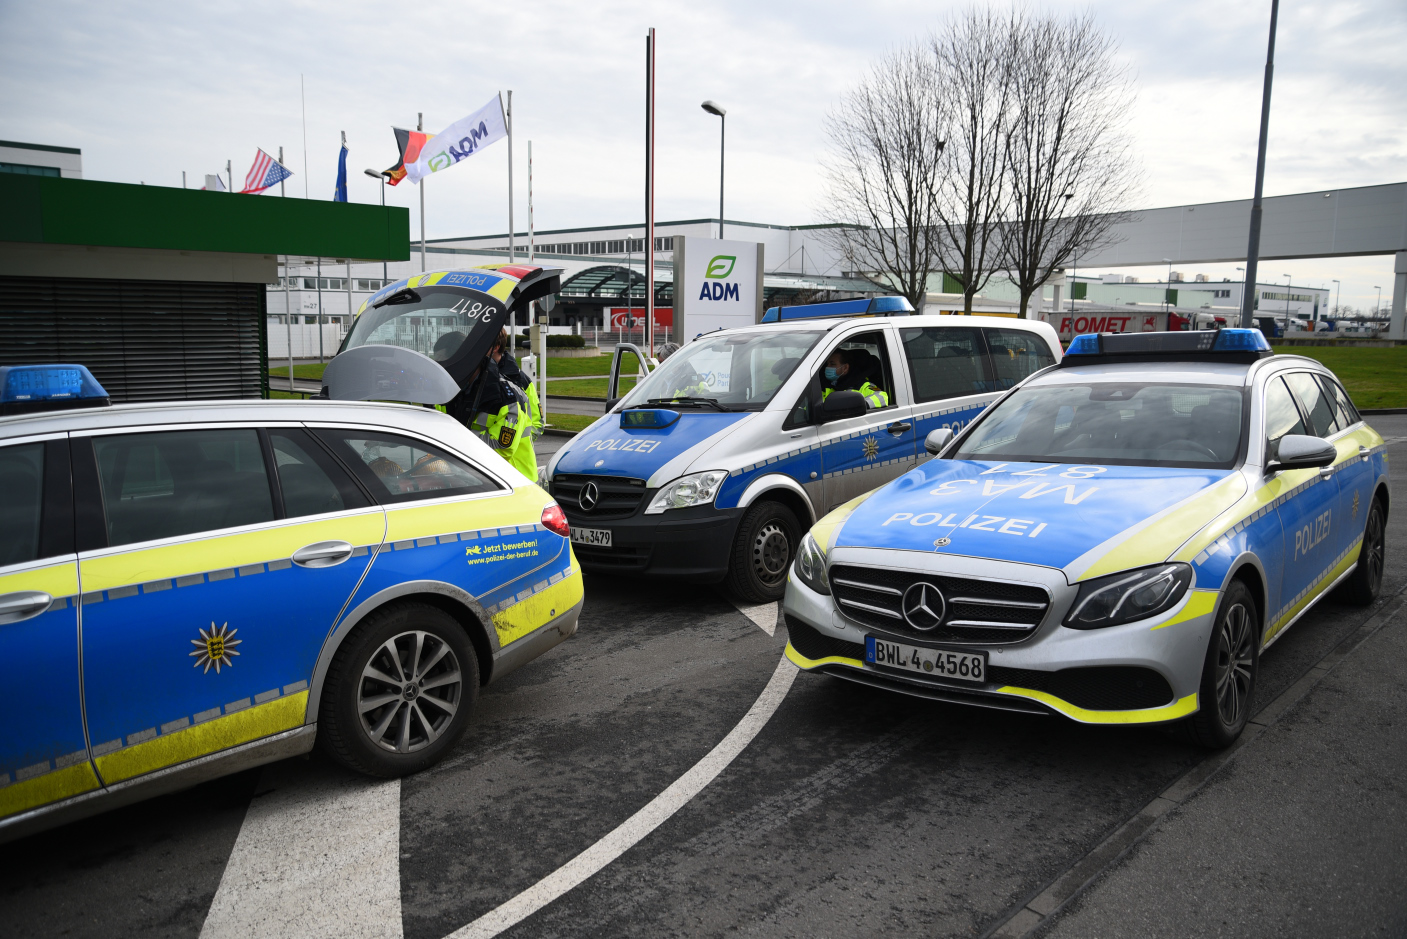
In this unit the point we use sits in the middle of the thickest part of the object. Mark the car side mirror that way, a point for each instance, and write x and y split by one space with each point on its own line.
937 440
842 404
610 403
1300 451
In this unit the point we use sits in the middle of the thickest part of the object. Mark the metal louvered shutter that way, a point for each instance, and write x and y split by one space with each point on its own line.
144 340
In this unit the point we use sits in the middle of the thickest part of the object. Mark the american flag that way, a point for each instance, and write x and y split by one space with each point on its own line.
265 172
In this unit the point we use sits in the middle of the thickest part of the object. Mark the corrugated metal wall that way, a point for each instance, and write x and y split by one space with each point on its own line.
144 340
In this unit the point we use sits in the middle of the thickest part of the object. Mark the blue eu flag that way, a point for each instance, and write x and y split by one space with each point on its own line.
341 194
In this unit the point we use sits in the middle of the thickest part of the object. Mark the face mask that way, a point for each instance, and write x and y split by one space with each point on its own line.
831 373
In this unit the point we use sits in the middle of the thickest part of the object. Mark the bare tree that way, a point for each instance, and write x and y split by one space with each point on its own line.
881 175
973 57
1069 170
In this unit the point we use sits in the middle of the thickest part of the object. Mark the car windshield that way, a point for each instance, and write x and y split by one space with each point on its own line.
1125 424
436 324
739 371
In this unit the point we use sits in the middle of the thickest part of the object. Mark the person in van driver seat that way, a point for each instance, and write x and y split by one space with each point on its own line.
852 370
507 410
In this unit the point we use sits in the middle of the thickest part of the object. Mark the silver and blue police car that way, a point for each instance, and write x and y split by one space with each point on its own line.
714 466
189 589
1117 540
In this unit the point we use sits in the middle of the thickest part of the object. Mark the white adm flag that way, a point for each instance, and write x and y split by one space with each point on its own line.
459 141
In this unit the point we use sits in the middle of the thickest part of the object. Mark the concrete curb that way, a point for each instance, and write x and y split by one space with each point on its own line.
1038 910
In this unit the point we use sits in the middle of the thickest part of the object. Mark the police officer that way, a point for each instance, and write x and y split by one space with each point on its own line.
506 417
843 372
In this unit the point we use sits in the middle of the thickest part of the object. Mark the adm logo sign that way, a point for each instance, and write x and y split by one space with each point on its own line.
715 285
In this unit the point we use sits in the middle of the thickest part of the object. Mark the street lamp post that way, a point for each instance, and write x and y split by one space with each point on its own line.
1167 288
1338 294
1288 287
375 175
1378 306
714 108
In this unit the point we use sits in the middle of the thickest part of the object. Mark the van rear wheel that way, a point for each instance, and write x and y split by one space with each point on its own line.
762 553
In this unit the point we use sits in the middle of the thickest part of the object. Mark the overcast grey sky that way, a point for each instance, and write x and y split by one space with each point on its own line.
150 89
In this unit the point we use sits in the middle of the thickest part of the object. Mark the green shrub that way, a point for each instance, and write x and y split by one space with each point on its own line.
566 342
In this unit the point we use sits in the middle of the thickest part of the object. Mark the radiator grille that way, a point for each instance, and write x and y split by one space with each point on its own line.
977 611
619 496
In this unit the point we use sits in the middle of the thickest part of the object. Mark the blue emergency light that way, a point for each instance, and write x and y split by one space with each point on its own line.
26 388
831 308
647 418
1191 343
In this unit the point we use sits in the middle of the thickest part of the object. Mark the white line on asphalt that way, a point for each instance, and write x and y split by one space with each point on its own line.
764 615
633 829
319 854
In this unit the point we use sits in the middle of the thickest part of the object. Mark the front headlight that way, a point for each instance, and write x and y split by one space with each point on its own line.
811 565
694 489
1129 596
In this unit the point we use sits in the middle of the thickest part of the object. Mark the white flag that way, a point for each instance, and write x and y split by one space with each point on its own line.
215 182
459 141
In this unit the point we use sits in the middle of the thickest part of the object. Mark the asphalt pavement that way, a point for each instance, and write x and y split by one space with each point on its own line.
850 812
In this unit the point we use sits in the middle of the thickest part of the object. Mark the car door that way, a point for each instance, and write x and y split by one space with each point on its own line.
860 453
43 751
214 562
1332 409
950 374
1307 502
450 522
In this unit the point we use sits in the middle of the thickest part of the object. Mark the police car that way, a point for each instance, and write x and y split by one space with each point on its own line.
1116 541
193 588
713 466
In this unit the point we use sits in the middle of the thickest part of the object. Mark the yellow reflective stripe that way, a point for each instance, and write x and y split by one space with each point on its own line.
1155 542
1169 712
503 288
1199 603
51 787
59 579
279 540
825 530
221 733
521 506
538 610
801 661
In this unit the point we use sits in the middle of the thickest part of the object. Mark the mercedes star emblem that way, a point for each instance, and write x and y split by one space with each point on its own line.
590 495
923 606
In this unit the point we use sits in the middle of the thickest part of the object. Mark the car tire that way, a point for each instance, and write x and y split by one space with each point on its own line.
1228 672
1362 586
399 691
763 550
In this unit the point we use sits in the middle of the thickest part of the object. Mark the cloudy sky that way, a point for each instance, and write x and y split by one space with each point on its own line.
148 90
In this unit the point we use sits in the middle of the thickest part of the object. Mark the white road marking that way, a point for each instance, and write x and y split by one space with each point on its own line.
633 829
764 615
320 854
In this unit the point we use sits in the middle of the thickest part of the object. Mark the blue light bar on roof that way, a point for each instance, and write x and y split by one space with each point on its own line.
1241 340
857 307
47 383
1191 343
1088 344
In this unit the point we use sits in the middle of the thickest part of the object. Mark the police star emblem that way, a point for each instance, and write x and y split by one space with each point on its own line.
871 448
1355 503
215 647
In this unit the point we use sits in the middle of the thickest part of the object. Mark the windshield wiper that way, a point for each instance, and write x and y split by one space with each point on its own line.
690 399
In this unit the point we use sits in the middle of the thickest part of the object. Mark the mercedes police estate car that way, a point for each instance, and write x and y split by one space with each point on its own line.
1116 540
190 589
713 466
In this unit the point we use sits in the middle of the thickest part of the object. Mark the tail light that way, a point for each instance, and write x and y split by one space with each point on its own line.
555 520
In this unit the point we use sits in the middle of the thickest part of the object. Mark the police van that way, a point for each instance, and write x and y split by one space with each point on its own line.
713 466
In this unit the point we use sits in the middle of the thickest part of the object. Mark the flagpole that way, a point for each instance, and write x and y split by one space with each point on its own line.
512 251
281 194
649 195
287 314
420 126
319 310
303 96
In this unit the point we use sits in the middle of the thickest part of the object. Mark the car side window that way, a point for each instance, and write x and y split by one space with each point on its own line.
163 485
1282 415
1323 417
21 486
311 481
945 362
403 469
1016 354
868 355
1348 414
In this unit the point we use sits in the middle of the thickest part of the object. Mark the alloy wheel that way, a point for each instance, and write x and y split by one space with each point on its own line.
409 691
1234 656
1374 549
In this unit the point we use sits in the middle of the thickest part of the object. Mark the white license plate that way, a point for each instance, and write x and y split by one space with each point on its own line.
940 663
601 537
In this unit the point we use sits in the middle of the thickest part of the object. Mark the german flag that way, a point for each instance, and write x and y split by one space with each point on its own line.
408 143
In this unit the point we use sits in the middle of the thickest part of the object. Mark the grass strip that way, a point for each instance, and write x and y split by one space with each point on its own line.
1374 376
